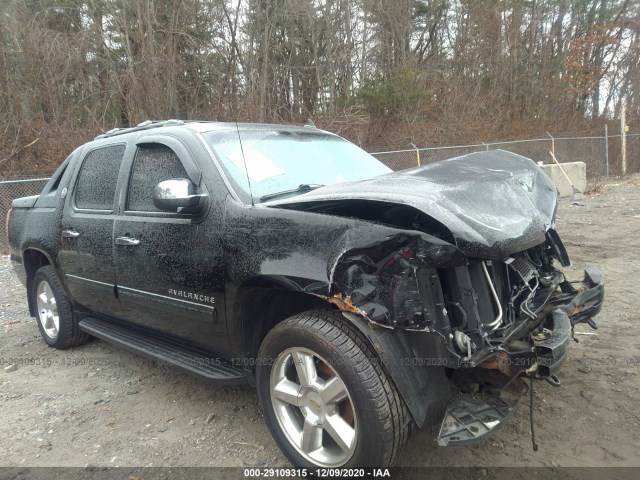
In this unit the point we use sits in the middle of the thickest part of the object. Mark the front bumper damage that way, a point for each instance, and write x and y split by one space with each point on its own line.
439 316
469 420
551 345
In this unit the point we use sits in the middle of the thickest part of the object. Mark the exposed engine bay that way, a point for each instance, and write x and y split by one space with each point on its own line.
480 309
501 321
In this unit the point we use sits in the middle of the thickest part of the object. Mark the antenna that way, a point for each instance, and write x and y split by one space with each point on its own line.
244 160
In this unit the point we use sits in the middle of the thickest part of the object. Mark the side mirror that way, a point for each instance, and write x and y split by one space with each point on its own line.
177 195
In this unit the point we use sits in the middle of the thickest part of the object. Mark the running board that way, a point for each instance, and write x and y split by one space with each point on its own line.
191 361
469 420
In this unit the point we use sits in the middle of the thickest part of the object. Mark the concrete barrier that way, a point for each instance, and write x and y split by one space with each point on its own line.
576 171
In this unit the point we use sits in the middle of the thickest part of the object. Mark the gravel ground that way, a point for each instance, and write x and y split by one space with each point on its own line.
96 405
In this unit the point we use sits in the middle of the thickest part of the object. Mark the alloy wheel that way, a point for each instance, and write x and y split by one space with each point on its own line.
47 309
313 407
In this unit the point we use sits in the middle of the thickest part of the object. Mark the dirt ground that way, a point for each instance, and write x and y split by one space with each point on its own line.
99 406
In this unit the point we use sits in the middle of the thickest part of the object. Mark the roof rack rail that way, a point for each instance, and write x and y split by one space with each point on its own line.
146 125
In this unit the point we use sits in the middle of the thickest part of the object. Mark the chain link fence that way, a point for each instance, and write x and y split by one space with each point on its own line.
601 154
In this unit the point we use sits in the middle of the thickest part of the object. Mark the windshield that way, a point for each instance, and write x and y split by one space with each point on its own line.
284 163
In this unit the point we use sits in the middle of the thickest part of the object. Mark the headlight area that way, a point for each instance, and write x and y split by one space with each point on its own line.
384 281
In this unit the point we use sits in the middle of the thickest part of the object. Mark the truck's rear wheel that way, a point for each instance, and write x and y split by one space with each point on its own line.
325 397
54 313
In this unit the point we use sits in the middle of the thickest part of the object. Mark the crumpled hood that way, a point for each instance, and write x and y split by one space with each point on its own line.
494 203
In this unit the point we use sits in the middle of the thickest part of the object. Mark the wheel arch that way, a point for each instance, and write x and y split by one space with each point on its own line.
409 358
259 304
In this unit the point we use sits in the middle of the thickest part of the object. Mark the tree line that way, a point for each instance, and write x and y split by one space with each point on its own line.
383 73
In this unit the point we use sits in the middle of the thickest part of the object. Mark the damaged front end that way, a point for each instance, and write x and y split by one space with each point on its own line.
497 322
463 278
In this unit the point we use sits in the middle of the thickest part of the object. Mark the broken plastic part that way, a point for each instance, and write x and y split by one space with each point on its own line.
469 420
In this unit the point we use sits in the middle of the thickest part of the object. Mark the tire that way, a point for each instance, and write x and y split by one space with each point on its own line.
314 420
56 320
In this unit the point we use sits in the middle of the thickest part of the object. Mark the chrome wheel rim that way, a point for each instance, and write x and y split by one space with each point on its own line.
313 407
47 310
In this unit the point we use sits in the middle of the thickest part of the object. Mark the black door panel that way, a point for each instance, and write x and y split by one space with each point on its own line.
86 234
169 266
172 280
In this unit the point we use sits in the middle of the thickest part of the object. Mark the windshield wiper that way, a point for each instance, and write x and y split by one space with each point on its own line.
305 187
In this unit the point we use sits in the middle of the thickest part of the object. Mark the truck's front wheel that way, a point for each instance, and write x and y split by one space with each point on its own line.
54 313
326 399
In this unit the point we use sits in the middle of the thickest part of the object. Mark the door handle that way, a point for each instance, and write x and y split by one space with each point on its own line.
127 241
70 234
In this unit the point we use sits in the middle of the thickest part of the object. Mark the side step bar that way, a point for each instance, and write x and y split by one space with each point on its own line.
191 361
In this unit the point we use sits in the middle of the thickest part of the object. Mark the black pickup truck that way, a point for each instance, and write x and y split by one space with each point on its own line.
361 302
